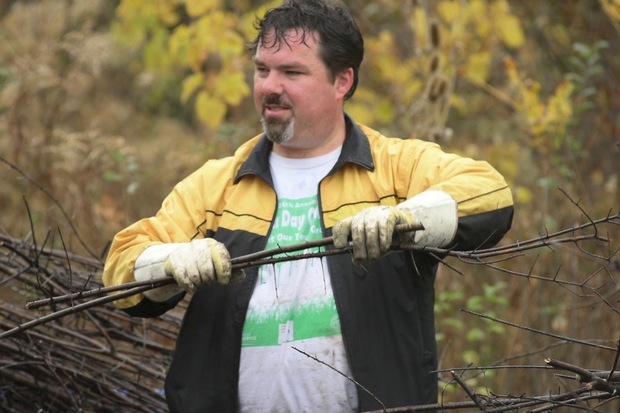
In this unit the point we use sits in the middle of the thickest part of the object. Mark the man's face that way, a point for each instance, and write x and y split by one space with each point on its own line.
294 93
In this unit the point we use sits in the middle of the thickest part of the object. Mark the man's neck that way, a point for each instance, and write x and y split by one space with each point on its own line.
313 148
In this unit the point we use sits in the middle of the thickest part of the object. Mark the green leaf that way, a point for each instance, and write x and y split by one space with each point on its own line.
476 303
475 334
112 176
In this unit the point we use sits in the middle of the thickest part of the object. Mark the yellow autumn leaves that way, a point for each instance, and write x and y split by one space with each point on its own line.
542 118
195 37
215 53
205 40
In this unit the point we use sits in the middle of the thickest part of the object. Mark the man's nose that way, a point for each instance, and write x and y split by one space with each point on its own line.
271 84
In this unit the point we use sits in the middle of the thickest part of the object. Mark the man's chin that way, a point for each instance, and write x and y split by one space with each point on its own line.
278 138
277 132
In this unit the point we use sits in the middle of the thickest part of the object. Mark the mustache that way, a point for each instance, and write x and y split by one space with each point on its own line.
275 99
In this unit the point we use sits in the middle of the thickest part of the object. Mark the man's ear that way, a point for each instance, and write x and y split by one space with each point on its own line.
344 81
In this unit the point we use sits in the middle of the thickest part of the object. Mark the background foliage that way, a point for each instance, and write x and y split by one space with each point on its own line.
106 104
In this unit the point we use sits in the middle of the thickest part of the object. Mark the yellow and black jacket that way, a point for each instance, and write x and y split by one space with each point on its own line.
385 309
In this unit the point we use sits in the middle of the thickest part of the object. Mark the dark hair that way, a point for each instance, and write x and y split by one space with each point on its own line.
341 45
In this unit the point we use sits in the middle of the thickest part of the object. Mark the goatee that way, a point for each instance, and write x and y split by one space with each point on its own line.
278 131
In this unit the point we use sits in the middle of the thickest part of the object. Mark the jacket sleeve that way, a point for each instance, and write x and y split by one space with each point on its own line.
485 204
178 220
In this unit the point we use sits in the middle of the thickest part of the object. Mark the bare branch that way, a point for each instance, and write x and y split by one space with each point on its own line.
342 374
533 330
470 392
55 201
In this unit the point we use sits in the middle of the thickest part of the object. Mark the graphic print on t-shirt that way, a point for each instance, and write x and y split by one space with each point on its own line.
292 300
292 308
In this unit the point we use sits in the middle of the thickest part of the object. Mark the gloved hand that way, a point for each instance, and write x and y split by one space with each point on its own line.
371 231
202 261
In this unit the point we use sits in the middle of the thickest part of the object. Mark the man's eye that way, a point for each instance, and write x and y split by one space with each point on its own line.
293 73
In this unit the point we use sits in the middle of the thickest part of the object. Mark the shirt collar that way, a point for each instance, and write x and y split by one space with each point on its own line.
355 149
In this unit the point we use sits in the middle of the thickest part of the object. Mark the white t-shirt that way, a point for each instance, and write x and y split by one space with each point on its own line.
293 307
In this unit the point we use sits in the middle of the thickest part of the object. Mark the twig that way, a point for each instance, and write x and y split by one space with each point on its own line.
472 395
130 289
74 309
615 363
533 330
96 292
260 258
342 374
54 200
310 244
245 261
498 404
585 376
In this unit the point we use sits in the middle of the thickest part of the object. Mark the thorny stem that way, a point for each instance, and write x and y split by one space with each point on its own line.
592 381
259 258
55 201
246 261
342 374
262 258
533 330
615 363
498 404
470 392
73 309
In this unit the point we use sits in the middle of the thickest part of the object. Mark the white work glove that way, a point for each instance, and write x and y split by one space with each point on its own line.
370 231
191 264
203 261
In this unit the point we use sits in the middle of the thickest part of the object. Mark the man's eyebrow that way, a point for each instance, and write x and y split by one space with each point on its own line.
285 66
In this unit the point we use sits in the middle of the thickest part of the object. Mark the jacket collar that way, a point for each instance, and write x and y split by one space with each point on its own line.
355 149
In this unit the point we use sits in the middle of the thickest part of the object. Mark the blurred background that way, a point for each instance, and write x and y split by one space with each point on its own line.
105 105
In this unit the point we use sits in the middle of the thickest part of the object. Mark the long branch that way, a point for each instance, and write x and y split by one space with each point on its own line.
261 258
269 256
55 201
533 330
242 262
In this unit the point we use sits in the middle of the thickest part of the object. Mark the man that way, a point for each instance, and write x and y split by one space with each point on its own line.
260 341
